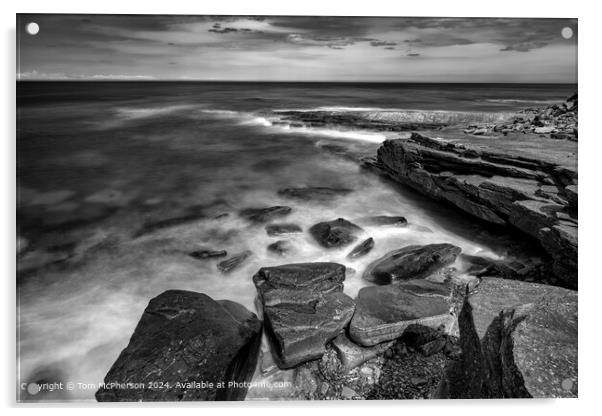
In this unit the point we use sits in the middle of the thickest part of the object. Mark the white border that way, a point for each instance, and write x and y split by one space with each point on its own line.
590 153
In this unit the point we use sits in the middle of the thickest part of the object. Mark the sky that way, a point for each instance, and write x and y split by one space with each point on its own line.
296 48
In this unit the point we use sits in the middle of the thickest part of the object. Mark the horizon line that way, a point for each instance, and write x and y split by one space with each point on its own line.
293 81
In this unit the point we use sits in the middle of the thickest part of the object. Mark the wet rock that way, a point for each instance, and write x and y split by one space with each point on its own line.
283 229
280 247
411 262
304 308
383 220
262 215
314 193
337 233
186 337
207 254
352 355
234 262
518 339
361 249
383 313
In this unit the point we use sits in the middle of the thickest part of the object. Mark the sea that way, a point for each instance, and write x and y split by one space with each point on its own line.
118 182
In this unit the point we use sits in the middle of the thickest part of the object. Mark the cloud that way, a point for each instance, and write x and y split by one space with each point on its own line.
382 43
524 46
292 47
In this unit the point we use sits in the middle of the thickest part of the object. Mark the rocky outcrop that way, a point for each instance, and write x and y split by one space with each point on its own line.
336 233
518 339
185 338
304 308
557 121
383 313
411 262
521 183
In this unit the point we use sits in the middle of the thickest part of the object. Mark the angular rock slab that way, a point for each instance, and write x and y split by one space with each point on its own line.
411 262
383 313
302 323
518 339
304 308
318 277
186 337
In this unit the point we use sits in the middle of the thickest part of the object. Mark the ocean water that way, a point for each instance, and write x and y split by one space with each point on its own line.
98 164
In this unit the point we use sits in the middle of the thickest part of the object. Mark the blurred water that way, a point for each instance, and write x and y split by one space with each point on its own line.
96 163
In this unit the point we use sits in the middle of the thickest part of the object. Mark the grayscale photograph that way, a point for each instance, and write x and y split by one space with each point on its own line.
309 207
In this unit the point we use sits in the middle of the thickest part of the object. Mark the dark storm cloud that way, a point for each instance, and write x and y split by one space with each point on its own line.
245 47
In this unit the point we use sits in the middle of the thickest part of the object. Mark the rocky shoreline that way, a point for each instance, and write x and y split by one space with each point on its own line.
423 329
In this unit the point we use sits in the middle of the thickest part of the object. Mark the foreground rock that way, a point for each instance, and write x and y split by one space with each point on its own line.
518 339
184 338
411 262
333 234
314 193
234 262
383 313
304 308
262 215
527 183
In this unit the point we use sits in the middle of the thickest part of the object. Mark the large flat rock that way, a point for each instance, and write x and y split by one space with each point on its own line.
185 338
304 308
518 339
528 184
411 262
383 313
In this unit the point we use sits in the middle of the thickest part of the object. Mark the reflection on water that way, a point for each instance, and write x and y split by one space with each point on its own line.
113 198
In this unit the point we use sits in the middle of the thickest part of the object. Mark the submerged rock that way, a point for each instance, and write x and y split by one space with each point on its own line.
314 193
518 339
361 249
262 215
283 229
280 247
304 308
234 262
383 313
208 254
185 338
411 262
383 220
337 233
